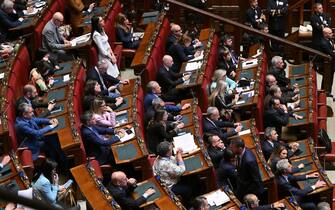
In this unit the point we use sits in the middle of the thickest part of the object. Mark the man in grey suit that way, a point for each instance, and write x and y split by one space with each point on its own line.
52 41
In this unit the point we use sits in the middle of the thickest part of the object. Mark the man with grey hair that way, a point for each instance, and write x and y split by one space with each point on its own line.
323 206
286 181
277 69
270 143
213 126
8 18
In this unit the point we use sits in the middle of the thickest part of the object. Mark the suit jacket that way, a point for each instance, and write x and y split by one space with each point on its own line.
280 75
96 145
93 74
326 46
8 21
34 104
76 7
30 135
46 189
267 148
157 132
170 41
216 154
251 16
216 128
277 21
149 97
52 40
167 79
123 197
249 180
178 53
275 118
288 187
226 174
318 26
126 38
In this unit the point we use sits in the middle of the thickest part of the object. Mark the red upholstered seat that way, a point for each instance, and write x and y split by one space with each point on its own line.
202 95
25 156
199 114
151 159
322 112
322 124
97 170
322 98
93 57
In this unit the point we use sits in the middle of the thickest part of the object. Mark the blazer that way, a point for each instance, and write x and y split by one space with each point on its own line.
267 148
93 74
96 145
275 118
223 103
30 135
170 41
34 104
249 180
101 41
280 75
216 154
277 21
149 97
52 40
286 187
216 128
123 197
106 119
46 189
157 132
168 79
318 26
226 175
327 47
250 16
8 21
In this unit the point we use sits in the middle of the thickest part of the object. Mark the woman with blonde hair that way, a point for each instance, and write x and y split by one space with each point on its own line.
220 98
103 114
124 32
221 74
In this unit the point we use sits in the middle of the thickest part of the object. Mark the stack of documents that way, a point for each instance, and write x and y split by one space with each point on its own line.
81 39
191 66
248 64
185 142
217 198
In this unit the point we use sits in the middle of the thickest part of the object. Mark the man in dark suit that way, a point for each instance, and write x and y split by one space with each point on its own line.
277 69
226 173
168 80
270 143
29 97
287 182
252 203
31 135
212 125
254 14
319 21
8 18
215 149
276 115
96 144
121 188
277 11
249 180
327 47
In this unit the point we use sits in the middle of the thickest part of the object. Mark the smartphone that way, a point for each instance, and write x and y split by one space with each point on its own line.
68 184
129 131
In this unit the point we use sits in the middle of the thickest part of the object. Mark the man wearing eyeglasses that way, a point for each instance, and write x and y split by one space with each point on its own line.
52 41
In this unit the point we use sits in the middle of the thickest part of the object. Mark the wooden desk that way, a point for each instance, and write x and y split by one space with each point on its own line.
92 188
233 202
127 103
127 151
161 199
296 70
127 89
290 205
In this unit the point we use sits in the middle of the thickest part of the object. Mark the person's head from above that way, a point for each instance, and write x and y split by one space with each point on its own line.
187 40
227 40
264 27
58 19
213 113
228 156
97 23
328 33
284 166
102 66
176 30
215 141
122 19
154 87
158 103
164 149
26 111
271 134
275 91
30 92
251 201
323 206
274 103
200 203
271 80
48 168
277 62
88 118
92 87
161 115
318 8
7 6
237 146
253 3
99 106
226 53
119 179
219 74
167 61
280 152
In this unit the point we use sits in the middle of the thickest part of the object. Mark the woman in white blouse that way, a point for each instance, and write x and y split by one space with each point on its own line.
101 40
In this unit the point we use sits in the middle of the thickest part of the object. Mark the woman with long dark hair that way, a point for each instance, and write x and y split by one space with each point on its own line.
124 32
100 38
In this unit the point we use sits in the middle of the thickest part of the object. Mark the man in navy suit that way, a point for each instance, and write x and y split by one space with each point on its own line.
96 144
249 180
215 149
30 134
121 189
8 18
226 173
270 143
212 125
286 184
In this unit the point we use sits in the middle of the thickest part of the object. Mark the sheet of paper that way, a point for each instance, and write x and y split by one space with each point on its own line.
244 132
217 198
185 142
240 102
2 75
81 39
200 57
191 66
66 78
249 63
128 136
248 94
138 34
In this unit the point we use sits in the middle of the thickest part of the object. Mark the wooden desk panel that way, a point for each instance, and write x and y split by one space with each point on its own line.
127 151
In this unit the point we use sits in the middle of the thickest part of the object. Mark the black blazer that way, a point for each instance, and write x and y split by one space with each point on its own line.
268 149
123 197
318 26
275 118
157 132
216 154
326 47
286 188
168 79
217 129
126 38
226 175
277 21
249 179
250 16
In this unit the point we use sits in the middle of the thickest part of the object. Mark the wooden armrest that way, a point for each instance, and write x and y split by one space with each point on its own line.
322 118
170 103
118 43
20 149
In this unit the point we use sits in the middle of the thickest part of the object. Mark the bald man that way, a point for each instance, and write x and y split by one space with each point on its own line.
252 202
121 188
52 41
168 79
327 47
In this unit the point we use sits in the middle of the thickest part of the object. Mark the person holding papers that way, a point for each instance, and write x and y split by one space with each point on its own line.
96 144
170 168
287 184
160 129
